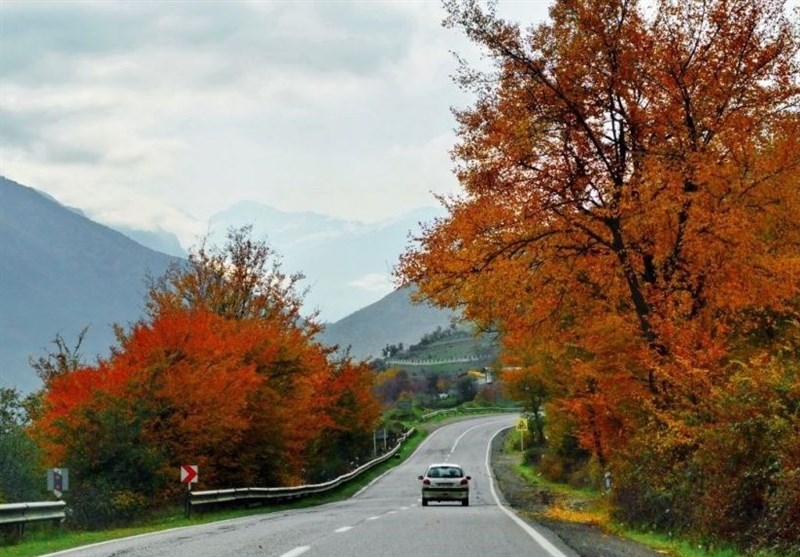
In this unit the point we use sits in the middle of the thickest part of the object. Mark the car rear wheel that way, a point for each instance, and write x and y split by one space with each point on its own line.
465 502
424 502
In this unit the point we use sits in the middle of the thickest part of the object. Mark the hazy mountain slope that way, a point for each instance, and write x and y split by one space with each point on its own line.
59 272
391 320
159 240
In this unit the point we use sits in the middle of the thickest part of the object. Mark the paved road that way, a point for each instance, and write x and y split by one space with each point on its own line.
385 520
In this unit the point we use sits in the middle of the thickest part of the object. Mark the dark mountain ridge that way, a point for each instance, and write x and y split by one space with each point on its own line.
59 272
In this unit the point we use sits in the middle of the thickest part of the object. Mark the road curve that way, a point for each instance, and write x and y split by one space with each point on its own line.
385 519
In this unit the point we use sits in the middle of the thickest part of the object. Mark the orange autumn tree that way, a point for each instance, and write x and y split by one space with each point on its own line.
630 210
122 426
353 410
300 401
224 373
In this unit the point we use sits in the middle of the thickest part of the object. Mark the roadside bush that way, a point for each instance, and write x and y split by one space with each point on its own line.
101 506
534 454
563 457
752 458
128 505
780 529
395 429
733 475
488 394
21 477
646 490
9 534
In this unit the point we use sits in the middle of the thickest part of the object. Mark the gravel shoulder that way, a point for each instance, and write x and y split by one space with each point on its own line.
531 502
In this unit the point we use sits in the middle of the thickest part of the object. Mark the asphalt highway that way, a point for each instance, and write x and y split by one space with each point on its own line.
385 519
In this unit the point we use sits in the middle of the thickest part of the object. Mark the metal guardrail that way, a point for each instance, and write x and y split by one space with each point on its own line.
458 409
436 361
269 495
17 515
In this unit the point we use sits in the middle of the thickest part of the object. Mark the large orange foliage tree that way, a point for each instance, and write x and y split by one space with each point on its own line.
630 215
224 373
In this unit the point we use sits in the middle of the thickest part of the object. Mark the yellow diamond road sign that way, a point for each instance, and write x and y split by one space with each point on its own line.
522 424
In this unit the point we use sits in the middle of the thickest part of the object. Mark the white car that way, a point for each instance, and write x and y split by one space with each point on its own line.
445 482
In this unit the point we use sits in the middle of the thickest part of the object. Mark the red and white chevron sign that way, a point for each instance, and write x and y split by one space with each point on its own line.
189 473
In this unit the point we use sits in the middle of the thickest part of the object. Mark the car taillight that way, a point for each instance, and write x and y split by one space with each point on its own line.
464 481
426 481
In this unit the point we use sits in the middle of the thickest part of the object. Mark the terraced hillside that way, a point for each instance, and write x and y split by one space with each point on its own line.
445 351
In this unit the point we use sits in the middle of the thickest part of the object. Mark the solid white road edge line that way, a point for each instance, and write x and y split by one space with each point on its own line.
467 431
421 445
537 537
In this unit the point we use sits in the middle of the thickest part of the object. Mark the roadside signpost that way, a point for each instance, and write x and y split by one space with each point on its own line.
58 481
189 475
522 427
379 435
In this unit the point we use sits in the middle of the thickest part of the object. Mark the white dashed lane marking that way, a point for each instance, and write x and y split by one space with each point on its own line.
343 529
297 551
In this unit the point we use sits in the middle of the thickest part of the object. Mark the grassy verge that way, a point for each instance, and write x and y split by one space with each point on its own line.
591 507
42 539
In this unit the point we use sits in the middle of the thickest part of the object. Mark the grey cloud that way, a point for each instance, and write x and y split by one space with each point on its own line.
176 97
18 130
43 41
64 153
38 38
364 38
28 132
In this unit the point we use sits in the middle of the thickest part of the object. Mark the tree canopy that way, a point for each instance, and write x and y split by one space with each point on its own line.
222 372
629 213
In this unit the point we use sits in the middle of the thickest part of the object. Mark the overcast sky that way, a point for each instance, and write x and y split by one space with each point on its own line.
163 113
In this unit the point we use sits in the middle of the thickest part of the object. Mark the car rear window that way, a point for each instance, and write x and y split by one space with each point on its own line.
445 472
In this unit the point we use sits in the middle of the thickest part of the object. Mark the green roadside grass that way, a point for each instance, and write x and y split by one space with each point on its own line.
591 507
45 538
